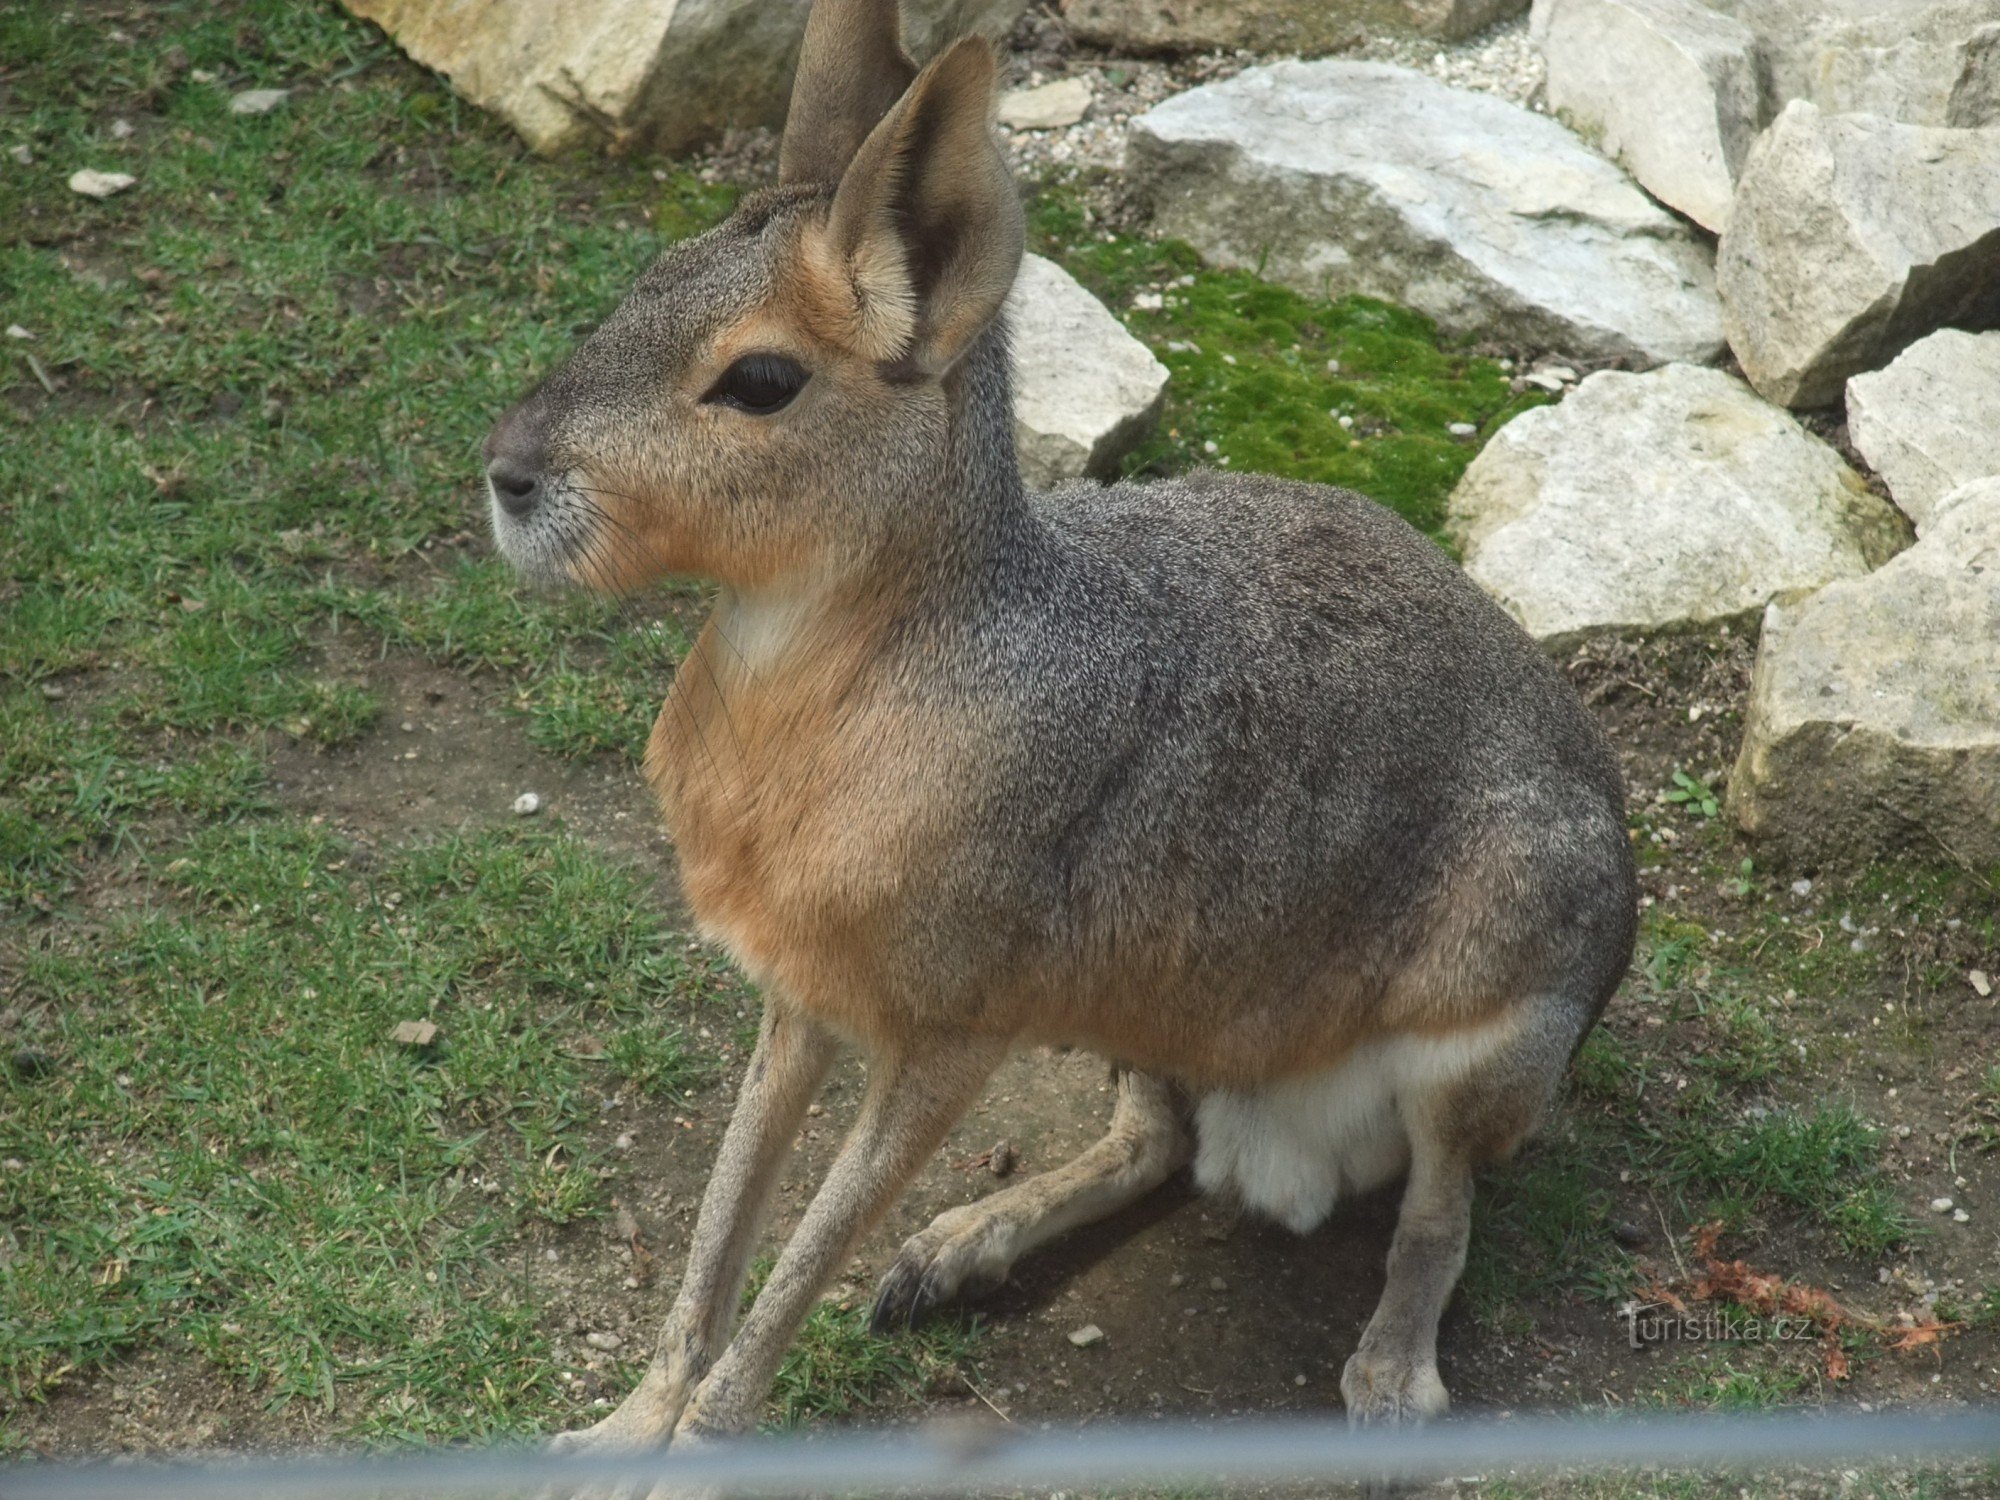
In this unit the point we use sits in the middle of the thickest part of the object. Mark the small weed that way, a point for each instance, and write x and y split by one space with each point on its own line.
1692 795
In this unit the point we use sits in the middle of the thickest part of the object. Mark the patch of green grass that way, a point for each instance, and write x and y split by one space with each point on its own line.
838 1369
1538 1229
1253 387
226 1150
1736 1382
1823 1161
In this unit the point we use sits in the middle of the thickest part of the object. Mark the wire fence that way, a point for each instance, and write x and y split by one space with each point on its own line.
955 1459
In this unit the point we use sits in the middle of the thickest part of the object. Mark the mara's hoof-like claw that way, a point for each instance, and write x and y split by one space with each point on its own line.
905 1295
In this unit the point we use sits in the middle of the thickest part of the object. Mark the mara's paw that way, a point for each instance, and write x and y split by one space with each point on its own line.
1385 1390
962 1254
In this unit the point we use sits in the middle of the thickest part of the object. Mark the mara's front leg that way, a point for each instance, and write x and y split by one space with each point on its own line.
791 1060
915 1095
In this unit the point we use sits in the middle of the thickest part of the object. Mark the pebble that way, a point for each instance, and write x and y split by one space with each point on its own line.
258 101
16 331
1217 1284
1087 1335
1981 982
121 130
1000 1160
1346 422
95 184
23 155
605 1341
1941 1205
1802 888
1960 1216
1544 380
1461 429
527 805
1050 106
1147 302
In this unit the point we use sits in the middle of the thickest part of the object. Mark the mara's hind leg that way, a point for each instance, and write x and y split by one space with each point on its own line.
1454 1124
972 1248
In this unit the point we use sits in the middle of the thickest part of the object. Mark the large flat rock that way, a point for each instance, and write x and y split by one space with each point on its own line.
664 73
1930 421
1335 177
1645 502
1085 391
1874 718
1852 237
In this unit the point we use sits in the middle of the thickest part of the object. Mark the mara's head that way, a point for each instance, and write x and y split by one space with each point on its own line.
781 390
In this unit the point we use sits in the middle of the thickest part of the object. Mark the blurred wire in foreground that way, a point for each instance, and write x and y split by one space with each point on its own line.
949 1459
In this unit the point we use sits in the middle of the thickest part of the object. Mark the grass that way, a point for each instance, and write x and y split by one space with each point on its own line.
837 1368
222 1145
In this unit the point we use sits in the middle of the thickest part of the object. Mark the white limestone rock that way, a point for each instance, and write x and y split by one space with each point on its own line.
1650 501
1085 391
663 73
1852 237
1344 177
1920 62
1929 422
1297 27
1874 717
1667 88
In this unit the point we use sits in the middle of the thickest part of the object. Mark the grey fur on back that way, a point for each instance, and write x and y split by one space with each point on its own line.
1270 711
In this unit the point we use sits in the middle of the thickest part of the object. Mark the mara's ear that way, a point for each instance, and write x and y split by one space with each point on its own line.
925 230
851 69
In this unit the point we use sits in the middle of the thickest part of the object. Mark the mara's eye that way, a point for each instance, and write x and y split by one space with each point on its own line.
759 384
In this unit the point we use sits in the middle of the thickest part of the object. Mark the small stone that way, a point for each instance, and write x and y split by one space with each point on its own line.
1298 1380
1631 1234
527 805
604 1341
408 727
1981 982
1941 1205
16 331
23 155
95 184
1049 107
1000 1160
1087 1335
1802 887
1545 380
258 101
1960 1216
624 1142
1147 302
414 1033
1217 1284
1461 429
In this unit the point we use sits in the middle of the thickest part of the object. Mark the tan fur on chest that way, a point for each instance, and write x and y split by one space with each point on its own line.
801 796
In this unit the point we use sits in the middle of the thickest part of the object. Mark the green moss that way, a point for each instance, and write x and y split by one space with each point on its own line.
1252 374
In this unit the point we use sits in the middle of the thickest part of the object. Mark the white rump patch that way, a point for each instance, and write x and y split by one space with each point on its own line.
1294 1149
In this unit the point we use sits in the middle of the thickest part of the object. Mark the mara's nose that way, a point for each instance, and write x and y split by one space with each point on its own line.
516 460
517 487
